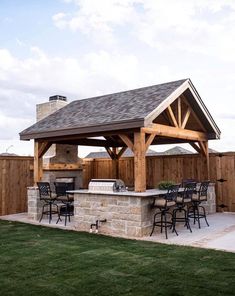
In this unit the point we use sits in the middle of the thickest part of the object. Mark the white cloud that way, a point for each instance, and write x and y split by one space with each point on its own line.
198 26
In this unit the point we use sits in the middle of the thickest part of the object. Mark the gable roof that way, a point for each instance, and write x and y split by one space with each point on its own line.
118 111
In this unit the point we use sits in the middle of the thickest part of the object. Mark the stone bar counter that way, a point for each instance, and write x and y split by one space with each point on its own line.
128 214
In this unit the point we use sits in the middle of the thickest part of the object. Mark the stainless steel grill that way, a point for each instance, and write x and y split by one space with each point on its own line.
106 185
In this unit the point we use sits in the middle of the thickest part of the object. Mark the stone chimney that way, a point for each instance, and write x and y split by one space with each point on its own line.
60 155
55 103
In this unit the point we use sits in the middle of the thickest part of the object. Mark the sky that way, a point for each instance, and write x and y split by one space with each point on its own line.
84 48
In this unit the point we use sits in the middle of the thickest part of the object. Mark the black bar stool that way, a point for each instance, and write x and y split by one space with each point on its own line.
164 204
49 199
182 200
66 208
197 211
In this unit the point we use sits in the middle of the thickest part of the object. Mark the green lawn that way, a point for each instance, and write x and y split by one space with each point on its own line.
42 261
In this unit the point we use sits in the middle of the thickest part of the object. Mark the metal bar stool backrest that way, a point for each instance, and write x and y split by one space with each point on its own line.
186 181
203 189
44 190
172 192
61 188
189 190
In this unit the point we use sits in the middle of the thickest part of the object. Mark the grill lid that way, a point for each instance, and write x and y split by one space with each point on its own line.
106 185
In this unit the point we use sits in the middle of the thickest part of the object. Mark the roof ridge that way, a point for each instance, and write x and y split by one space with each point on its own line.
128 90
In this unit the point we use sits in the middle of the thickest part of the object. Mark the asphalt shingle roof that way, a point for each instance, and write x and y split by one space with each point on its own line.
108 109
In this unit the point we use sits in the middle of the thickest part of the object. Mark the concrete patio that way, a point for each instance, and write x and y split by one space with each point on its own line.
220 235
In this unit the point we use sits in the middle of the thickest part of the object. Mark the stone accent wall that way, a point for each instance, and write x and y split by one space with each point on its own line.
128 216
34 204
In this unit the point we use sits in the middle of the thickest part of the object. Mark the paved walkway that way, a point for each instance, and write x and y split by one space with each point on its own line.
220 235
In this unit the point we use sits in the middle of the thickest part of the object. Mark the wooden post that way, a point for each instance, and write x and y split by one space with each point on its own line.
40 148
207 159
38 172
139 162
115 163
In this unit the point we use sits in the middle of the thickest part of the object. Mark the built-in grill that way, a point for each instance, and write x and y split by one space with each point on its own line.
106 185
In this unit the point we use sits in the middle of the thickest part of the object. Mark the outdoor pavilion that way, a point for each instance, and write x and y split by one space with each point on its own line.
167 113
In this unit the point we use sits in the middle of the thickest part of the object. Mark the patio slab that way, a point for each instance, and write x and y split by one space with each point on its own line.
220 235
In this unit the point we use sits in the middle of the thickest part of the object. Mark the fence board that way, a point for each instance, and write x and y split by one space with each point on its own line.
15 177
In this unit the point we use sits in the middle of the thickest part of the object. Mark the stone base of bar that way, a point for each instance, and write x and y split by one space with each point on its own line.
125 215
128 214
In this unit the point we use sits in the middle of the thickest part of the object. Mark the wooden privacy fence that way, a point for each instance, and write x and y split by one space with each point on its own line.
175 168
16 174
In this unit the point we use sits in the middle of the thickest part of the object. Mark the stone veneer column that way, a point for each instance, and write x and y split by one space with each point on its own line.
34 204
210 204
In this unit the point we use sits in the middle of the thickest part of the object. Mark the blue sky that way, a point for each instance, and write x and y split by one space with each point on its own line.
82 48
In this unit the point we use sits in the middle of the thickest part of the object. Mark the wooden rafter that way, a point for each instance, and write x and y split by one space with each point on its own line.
174 132
127 141
186 117
179 112
171 116
194 114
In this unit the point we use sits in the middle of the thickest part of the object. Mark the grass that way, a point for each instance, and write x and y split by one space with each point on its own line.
37 260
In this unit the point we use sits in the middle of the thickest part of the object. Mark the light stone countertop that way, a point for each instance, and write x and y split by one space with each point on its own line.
147 193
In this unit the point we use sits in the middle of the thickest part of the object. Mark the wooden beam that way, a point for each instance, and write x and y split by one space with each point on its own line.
89 142
186 117
139 162
127 141
38 172
149 141
43 147
195 146
203 148
62 166
120 152
110 153
179 112
193 113
174 132
171 116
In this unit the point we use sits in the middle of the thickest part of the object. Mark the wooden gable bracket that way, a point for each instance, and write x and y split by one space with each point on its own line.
127 141
148 141
115 155
111 153
196 147
43 147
